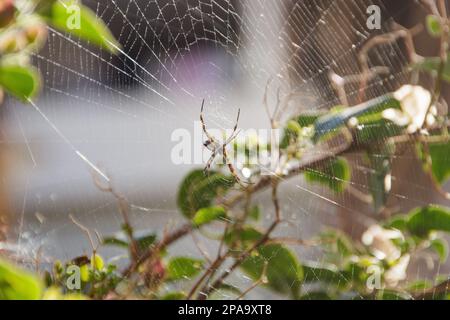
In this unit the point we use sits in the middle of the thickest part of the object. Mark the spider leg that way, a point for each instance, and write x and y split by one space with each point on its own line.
231 167
202 120
209 163
231 138
237 122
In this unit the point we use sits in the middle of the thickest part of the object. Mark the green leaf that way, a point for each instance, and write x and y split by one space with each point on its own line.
183 268
145 241
324 274
432 65
97 262
63 15
116 242
441 248
243 236
393 295
420 285
375 129
177 295
17 284
335 174
240 239
294 126
198 191
21 82
432 218
284 272
399 222
440 157
434 26
255 213
207 215
380 174
316 295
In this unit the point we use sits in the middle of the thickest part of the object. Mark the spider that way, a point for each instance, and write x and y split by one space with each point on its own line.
220 149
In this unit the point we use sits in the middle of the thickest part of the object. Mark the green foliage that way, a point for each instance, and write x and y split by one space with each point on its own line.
177 295
432 65
90 27
242 237
17 284
23 31
284 272
422 221
440 158
183 268
441 248
379 159
325 275
116 242
434 26
198 191
21 82
207 215
335 174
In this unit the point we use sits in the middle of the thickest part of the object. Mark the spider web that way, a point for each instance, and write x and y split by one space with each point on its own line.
116 114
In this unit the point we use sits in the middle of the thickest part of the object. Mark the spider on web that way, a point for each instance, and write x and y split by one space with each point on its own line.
218 148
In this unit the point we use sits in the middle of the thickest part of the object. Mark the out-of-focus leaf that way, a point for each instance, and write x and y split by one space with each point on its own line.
113 241
432 65
434 25
197 191
21 82
177 295
432 218
375 130
393 295
441 248
85 273
243 236
440 157
284 272
294 126
17 284
183 268
316 295
331 122
207 215
337 243
420 285
255 213
324 274
399 222
64 16
380 176
144 242
335 174
54 293
97 262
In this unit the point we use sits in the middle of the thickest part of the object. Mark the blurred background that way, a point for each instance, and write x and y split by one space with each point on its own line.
120 112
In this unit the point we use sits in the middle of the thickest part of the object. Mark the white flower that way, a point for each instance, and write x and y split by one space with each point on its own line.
380 242
398 272
415 103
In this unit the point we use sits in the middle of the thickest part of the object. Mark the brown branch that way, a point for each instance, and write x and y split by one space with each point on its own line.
124 208
442 288
205 291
